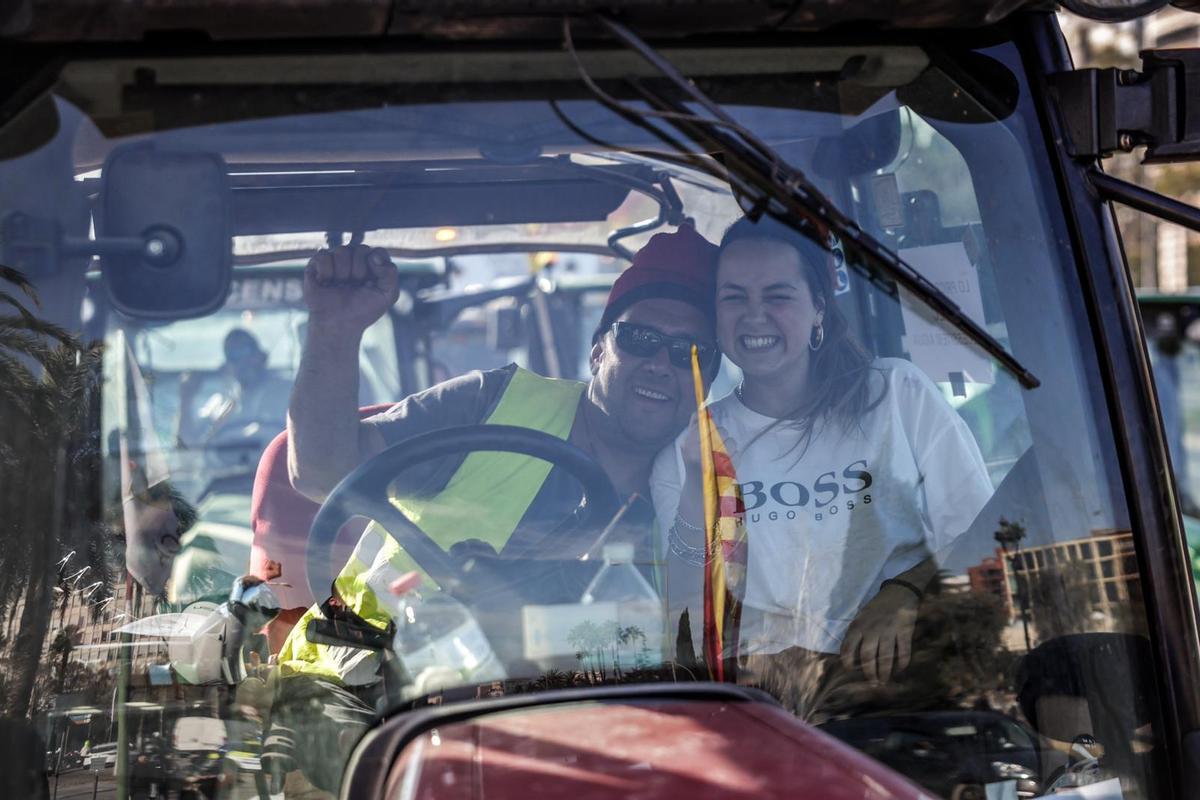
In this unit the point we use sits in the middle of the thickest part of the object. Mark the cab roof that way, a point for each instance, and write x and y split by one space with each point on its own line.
132 20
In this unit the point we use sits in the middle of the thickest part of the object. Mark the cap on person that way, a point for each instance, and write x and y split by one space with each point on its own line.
675 266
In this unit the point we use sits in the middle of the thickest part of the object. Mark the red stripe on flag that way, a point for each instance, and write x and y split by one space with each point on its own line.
734 553
730 506
722 464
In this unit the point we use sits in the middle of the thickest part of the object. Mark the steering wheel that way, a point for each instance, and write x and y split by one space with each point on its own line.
364 492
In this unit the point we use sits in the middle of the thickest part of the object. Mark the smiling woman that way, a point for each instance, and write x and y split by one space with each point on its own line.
474 276
899 475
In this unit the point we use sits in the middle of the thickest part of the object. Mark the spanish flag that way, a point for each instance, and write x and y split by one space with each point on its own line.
724 543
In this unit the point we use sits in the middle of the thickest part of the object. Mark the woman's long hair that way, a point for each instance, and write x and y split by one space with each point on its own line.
839 385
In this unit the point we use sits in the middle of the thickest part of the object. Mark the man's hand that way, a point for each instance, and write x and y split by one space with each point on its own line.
691 495
350 287
690 447
880 637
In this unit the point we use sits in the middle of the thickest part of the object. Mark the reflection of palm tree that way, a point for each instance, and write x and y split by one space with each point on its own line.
49 397
593 641
625 637
61 648
588 640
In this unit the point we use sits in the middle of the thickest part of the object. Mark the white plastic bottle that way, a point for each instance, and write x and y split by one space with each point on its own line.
441 645
638 637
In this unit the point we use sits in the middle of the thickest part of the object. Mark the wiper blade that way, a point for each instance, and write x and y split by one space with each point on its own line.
779 188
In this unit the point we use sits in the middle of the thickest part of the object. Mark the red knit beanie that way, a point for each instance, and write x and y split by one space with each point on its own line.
676 266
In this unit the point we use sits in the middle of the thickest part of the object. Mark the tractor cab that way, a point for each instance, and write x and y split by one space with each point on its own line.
417 250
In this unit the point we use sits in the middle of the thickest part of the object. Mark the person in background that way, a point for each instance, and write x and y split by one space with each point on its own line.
254 398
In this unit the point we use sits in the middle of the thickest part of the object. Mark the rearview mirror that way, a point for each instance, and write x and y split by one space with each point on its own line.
163 232
868 145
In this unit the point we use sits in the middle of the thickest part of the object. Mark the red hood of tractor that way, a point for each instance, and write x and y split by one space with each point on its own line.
645 749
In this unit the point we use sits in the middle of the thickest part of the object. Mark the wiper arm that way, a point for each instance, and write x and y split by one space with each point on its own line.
758 172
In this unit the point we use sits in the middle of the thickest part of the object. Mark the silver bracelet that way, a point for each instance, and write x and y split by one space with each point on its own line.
691 555
679 520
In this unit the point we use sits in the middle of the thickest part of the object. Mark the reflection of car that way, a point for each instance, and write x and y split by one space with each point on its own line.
953 753
102 756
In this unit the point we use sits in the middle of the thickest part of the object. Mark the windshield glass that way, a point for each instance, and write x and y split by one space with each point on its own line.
290 285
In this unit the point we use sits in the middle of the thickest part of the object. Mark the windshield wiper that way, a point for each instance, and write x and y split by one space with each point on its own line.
777 188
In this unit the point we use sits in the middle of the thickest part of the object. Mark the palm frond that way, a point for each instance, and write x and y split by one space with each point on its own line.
15 377
18 279
9 299
28 322
24 343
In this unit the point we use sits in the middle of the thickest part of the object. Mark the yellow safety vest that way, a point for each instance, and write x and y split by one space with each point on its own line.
485 499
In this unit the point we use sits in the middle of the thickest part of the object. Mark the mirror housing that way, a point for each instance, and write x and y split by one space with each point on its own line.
1106 110
868 145
163 232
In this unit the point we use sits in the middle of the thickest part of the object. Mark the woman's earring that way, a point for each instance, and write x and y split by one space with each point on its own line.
816 338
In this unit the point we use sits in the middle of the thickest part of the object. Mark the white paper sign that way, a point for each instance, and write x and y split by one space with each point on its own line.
943 352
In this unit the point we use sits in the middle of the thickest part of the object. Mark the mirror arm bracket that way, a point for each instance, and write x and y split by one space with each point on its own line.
1110 110
35 246
1142 199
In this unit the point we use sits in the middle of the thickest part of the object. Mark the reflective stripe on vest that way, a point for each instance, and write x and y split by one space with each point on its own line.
485 499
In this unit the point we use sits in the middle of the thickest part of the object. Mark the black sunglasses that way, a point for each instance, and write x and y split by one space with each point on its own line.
644 342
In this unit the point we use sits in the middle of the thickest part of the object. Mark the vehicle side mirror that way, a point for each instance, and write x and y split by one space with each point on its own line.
1110 110
163 232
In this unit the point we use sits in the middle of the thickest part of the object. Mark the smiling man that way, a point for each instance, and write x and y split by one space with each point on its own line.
638 400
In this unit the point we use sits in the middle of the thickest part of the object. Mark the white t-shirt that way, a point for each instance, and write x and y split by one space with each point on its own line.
829 523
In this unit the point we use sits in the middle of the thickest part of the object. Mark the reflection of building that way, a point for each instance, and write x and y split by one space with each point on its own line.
1105 562
81 610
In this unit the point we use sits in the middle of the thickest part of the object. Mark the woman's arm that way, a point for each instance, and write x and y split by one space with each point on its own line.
955 486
